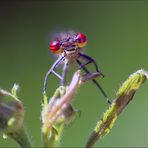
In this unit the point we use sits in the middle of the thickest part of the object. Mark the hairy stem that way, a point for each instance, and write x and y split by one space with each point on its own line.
123 96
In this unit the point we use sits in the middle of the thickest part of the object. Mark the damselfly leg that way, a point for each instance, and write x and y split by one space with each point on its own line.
51 70
83 66
89 60
64 73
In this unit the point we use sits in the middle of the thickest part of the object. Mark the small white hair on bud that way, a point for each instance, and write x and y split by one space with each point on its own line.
16 87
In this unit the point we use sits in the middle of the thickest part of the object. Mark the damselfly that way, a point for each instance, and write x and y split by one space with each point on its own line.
68 47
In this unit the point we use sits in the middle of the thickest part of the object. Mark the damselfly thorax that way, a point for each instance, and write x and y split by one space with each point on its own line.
68 47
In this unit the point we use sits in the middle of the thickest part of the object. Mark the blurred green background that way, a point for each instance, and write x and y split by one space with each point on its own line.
117 33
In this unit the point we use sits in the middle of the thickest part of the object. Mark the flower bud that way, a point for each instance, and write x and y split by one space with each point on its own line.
11 112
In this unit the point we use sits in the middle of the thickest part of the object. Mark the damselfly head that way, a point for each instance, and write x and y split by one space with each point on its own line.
68 43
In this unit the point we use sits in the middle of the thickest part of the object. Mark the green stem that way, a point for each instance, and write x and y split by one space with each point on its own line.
48 138
123 96
21 137
51 136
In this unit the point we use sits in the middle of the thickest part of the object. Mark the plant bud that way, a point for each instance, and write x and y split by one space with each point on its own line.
11 112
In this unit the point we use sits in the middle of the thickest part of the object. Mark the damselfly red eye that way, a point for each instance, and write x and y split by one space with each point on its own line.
81 40
55 47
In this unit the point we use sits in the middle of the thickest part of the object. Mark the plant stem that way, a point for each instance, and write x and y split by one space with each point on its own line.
59 112
123 96
21 137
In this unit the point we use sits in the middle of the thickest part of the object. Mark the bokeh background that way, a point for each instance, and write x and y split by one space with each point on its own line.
117 33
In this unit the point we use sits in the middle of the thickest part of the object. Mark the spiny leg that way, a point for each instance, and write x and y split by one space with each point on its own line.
95 81
88 61
51 70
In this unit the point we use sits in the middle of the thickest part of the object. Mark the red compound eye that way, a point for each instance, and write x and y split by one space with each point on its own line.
81 40
55 47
